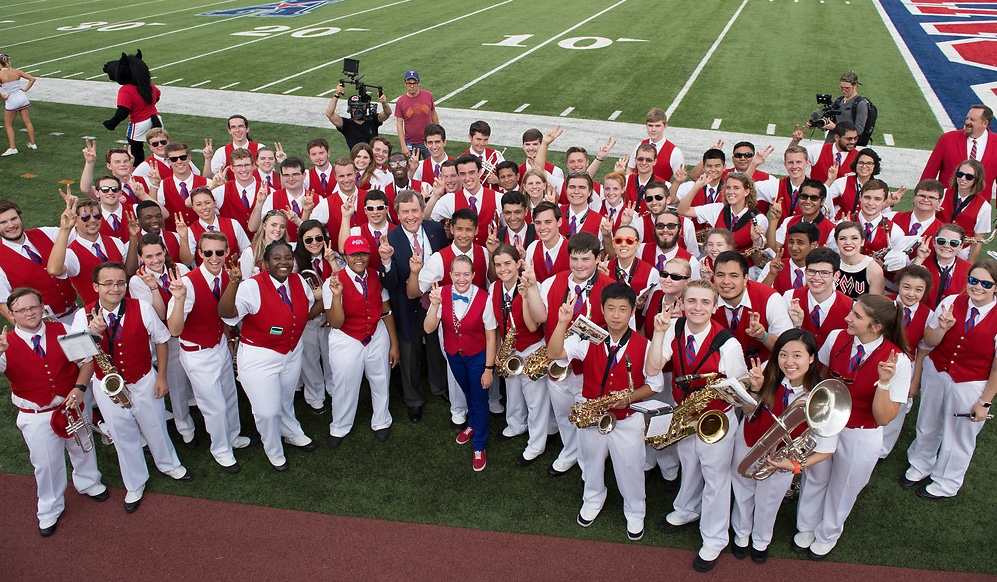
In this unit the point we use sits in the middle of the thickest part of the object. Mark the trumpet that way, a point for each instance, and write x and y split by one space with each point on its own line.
488 164
113 385
79 427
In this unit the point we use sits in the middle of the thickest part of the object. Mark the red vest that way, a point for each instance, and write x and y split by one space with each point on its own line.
524 337
561 261
275 316
83 282
558 293
253 148
639 271
663 163
485 201
702 364
590 222
21 271
35 378
107 228
274 183
829 322
784 278
863 379
880 235
429 173
648 231
132 356
480 279
594 369
960 275
634 193
548 167
203 326
222 225
335 203
368 236
176 203
315 183
232 206
759 296
919 320
165 170
758 423
742 233
819 170
973 349
281 201
645 321
904 220
848 201
823 224
651 253
966 218
363 313
467 339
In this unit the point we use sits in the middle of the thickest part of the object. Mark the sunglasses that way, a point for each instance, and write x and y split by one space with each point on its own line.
156 144
651 197
397 164
182 158
646 160
86 217
207 254
965 176
675 276
665 226
375 208
985 284
952 242
744 155
814 197
624 240
313 239
106 189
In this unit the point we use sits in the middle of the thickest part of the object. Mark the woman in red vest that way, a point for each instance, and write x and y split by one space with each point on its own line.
737 213
958 384
314 252
273 307
470 345
871 357
941 258
966 204
791 374
718 240
274 228
363 156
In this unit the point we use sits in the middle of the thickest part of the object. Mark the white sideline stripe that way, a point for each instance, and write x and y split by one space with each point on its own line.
479 104
716 124
929 94
702 64
52 8
71 75
888 138
289 91
97 77
614 115
770 130
29 71
82 16
171 82
567 111
242 44
522 107
529 52
230 85
383 44
142 39
52 73
201 83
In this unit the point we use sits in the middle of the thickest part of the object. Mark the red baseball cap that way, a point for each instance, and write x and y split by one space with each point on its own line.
356 244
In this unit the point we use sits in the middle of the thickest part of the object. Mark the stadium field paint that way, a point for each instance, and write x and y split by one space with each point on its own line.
522 108
567 111
201 83
716 124
479 104
770 130
614 115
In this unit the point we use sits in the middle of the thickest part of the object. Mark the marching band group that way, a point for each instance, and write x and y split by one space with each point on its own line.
717 295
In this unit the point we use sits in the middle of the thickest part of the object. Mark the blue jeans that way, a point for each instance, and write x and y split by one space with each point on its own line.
418 146
468 370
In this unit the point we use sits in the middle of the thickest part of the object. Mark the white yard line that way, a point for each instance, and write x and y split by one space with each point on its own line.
201 83
522 107
567 112
770 130
716 123
230 85
79 16
529 52
702 64
479 104
56 7
614 115
383 44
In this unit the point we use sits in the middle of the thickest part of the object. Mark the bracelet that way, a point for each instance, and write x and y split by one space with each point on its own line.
881 386
764 337
796 468
489 367
81 387
598 159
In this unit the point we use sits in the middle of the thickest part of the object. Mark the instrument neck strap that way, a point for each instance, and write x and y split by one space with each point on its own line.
612 355
718 340
586 288
507 300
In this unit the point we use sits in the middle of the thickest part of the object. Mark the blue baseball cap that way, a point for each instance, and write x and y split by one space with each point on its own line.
411 74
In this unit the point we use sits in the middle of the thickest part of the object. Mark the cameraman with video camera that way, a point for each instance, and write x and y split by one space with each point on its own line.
849 107
364 120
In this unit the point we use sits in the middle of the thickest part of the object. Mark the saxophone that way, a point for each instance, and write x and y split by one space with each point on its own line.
538 364
113 385
595 412
688 418
509 364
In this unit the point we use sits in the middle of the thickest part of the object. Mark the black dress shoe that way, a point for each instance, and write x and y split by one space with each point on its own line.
47 531
797 548
188 476
282 468
701 565
334 441
667 527
907 483
672 485
922 492
522 461
759 556
814 556
739 552
102 496
317 411
232 469
382 434
457 427
191 444
554 472
311 446
131 507
415 413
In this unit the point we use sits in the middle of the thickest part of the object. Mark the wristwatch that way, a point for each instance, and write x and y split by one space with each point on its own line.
983 404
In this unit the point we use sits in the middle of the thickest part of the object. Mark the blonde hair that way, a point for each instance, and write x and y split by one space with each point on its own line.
259 244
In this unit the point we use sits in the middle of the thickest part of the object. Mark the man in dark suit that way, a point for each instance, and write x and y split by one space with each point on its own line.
973 141
415 237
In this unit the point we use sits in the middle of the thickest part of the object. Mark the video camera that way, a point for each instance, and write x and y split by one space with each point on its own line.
359 106
826 114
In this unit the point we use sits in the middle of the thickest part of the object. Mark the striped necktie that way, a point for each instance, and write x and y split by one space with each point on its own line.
690 351
915 228
325 181
735 316
548 262
856 360
245 198
815 316
184 193
295 207
99 252
113 323
35 258
115 223
579 300
216 288
363 284
798 281
36 344
572 226
868 232
473 203
971 323
908 316
282 291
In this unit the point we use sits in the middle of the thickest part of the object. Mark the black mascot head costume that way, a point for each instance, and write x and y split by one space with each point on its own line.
132 70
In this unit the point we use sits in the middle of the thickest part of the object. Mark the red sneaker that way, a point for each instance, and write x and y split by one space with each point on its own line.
465 436
479 461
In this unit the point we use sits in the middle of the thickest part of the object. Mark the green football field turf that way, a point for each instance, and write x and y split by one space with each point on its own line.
602 59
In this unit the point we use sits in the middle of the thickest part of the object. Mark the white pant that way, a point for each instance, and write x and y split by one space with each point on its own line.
705 488
270 379
146 418
180 390
527 409
923 452
354 360
667 458
458 403
756 503
831 487
625 445
958 442
316 373
562 395
891 432
47 452
213 383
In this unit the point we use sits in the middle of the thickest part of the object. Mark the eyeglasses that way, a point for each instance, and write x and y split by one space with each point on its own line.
675 276
313 239
743 155
397 164
377 208
926 197
624 240
238 166
865 163
411 82
33 308
842 379
814 197
106 189
650 197
181 158
112 284
952 242
86 217
158 143
965 176
666 225
812 273
641 159
985 284
218 253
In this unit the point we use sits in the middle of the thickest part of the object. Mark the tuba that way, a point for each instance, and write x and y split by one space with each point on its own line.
825 411
688 418
113 385
510 364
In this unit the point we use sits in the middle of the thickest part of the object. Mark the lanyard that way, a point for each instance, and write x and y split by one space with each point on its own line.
612 355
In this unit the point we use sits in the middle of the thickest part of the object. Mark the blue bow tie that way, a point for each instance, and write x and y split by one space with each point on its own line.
459 297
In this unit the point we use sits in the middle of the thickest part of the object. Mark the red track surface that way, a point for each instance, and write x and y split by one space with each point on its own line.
183 538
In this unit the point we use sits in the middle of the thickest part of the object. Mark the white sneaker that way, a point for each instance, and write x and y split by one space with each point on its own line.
240 442
32 146
9 152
